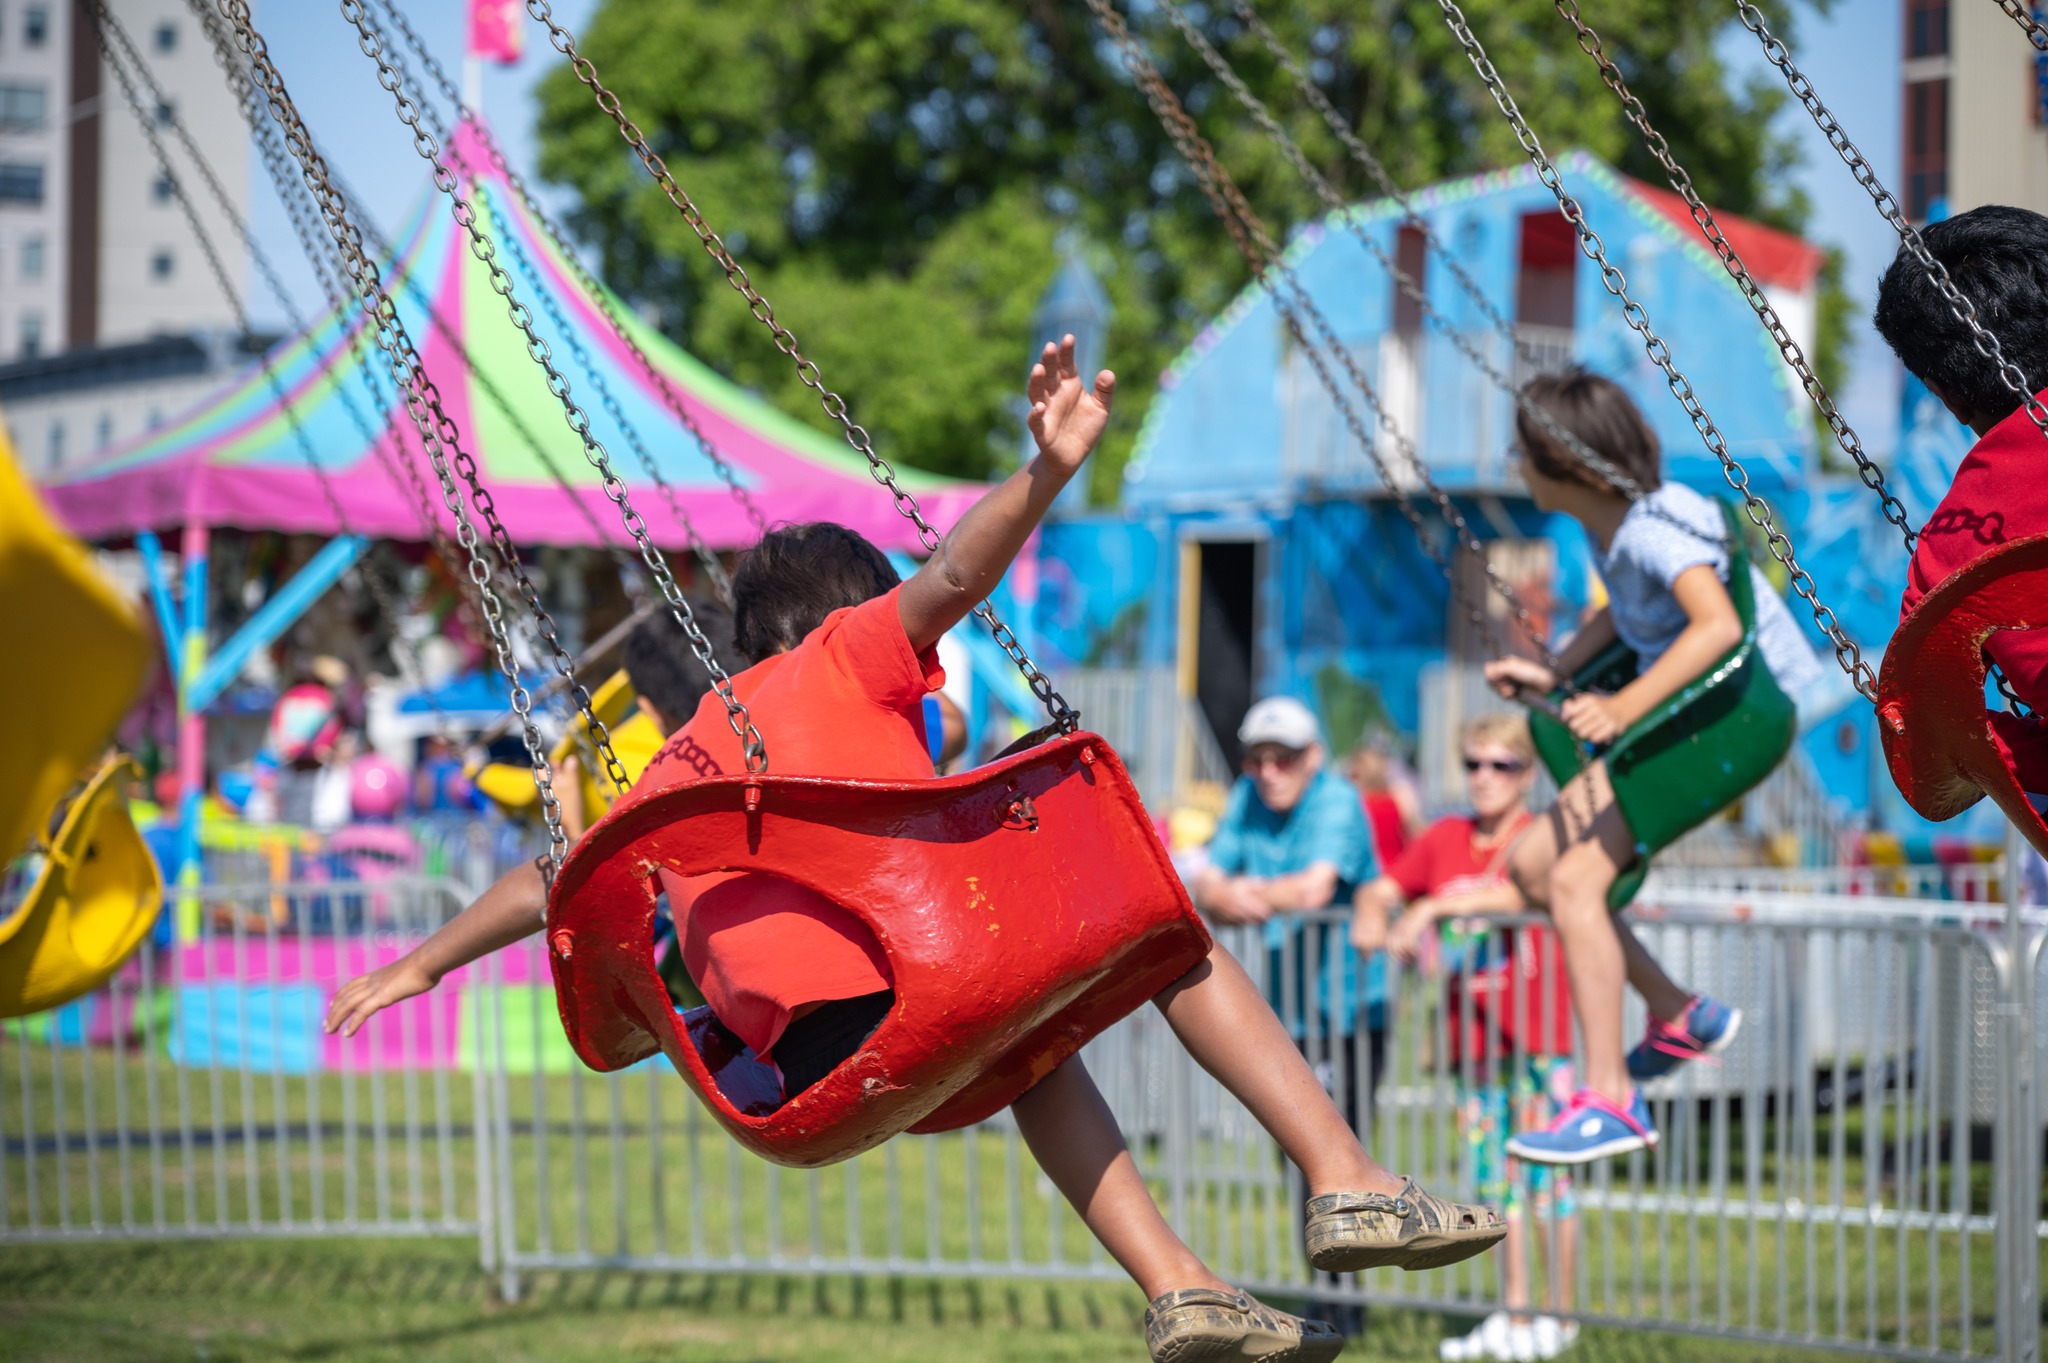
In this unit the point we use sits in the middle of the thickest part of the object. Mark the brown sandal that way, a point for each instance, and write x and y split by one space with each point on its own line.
1412 1230
1202 1325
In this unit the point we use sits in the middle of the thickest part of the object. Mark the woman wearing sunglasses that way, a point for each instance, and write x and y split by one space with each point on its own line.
1508 1014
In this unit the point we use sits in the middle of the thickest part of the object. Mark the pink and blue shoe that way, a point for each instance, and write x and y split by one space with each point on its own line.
1590 1128
1707 1027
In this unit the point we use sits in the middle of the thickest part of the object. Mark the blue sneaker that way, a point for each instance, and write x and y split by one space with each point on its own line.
1707 1027
1590 1128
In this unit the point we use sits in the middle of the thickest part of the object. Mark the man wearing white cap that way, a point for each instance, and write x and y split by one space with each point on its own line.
1294 839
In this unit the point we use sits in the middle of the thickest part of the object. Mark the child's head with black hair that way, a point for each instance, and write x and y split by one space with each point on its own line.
663 667
1998 258
1604 420
787 584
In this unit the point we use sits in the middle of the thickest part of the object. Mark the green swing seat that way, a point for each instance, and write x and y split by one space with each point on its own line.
1694 755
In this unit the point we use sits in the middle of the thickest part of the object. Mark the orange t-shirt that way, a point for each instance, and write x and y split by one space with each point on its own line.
848 701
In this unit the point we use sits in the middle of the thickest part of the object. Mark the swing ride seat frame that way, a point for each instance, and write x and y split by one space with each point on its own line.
93 902
1023 908
1945 748
1697 751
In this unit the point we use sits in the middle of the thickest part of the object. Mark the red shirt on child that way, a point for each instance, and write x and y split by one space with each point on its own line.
2000 493
1511 988
846 702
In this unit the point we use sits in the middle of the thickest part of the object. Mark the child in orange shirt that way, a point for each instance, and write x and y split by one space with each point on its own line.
844 656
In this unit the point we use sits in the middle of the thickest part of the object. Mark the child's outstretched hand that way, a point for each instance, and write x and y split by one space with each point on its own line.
1594 719
363 997
1066 417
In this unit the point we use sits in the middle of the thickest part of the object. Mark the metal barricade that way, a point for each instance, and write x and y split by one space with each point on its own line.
1824 1183
196 1095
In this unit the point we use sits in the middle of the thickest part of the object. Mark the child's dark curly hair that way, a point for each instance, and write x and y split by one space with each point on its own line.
786 585
1998 258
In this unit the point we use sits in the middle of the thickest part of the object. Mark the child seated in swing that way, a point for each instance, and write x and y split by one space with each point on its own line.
843 656
1664 560
1998 257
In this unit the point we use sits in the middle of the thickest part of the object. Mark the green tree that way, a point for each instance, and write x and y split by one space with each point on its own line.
900 178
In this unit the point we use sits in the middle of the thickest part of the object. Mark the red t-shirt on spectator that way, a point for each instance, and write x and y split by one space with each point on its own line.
2000 494
846 702
1389 830
1509 993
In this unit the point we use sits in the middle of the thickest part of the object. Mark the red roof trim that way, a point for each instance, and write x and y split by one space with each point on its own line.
1773 257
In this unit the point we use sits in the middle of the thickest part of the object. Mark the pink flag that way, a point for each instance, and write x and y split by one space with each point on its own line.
495 31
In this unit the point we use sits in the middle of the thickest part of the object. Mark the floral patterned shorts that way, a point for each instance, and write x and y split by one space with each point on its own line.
1490 1113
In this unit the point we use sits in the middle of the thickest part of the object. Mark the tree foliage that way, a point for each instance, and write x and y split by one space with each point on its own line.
901 179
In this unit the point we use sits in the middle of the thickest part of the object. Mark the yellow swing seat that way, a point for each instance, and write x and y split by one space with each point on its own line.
61 699
635 739
95 898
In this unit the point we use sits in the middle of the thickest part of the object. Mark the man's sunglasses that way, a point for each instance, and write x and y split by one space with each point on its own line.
1512 766
1285 759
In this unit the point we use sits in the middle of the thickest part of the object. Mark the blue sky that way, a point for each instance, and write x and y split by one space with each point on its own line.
1851 55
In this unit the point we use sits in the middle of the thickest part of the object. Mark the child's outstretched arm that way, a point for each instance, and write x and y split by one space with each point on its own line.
1067 418
508 911
1711 628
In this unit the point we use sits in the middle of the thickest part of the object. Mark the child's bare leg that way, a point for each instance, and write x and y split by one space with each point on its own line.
1667 999
1074 1137
1566 863
1229 1028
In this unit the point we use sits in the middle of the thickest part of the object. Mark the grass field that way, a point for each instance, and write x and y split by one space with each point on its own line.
404 1301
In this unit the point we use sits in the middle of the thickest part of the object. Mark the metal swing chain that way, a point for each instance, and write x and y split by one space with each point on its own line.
574 259
1408 285
1064 716
2023 15
1866 468
1257 247
121 54
500 232
370 39
291 190
1388 186
1960 306
1847 654
437 431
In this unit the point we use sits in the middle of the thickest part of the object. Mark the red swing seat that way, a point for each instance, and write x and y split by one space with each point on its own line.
1023 907
1945 748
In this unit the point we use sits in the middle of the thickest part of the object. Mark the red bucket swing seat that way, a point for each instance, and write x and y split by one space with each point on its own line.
1945 748
1024 907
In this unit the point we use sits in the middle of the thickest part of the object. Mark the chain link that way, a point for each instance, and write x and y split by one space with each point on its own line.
588 281
1960 306
1267 262
438 432
1847 654
2023 15
1680 180
370 38
1064 716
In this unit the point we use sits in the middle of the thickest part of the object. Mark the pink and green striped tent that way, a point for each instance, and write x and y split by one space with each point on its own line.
233 460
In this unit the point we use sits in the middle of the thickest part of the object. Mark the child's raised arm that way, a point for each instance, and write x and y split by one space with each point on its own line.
1067 418
508 911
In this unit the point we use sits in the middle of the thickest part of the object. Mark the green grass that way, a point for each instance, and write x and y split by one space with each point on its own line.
406 1301
318 1152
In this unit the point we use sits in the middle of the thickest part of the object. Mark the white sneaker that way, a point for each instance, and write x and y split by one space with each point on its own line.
1476 1345
1552 1336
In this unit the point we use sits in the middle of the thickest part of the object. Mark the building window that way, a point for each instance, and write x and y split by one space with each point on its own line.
35 25
161 265
21 183
103 432
1926 146
22 108
166 37
1926 28
32 258
54 444
162 190
1411 253
31 335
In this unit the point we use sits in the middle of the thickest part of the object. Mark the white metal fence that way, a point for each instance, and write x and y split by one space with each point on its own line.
1861 1170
